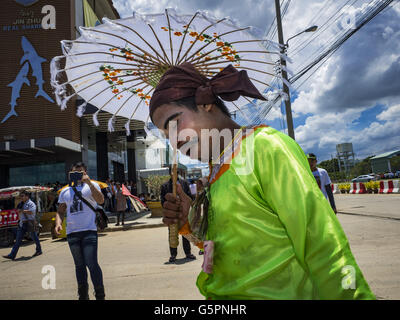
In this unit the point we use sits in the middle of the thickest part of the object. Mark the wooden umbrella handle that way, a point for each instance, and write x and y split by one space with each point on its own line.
174 228
174 178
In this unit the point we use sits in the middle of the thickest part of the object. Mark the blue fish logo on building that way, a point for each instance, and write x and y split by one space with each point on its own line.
16 86
30 58
26 3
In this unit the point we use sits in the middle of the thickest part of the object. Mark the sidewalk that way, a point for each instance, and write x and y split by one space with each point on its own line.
134 221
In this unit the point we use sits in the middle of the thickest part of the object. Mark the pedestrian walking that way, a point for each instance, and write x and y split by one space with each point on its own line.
174 239
27 223
121 204
108 200
82 230
113 192
323 180
133 189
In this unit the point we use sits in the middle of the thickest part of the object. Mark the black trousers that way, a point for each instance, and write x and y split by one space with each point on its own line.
186 248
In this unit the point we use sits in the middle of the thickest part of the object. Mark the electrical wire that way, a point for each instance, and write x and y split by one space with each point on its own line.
368 16
314 19
321 29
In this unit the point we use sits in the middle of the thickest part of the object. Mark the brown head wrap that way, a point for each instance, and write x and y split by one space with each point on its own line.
185 81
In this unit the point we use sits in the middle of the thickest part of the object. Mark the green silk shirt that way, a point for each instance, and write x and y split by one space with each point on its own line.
275 235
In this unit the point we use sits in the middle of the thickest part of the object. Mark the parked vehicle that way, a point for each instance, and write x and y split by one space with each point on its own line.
389 175
364 178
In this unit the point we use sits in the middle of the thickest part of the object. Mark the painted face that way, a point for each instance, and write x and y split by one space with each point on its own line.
189 126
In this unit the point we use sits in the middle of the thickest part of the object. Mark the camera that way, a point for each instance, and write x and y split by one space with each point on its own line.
74 177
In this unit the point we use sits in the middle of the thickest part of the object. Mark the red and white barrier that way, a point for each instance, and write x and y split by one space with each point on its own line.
389 186
335 188
386 186
396 186
357 188
361 188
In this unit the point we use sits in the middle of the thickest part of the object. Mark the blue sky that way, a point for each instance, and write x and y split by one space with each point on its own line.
354 96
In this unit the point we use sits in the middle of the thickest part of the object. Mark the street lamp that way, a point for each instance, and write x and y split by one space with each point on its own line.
310 29
284 46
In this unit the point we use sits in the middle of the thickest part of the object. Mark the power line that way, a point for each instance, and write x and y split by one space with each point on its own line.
321 28
314 19
369 15
273 27
323 47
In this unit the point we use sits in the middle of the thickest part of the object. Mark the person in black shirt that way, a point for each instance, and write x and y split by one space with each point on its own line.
167 188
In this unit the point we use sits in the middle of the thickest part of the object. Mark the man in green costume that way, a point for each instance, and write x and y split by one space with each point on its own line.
274 234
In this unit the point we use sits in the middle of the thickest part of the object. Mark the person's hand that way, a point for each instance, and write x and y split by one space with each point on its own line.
86 179
58 229
176 208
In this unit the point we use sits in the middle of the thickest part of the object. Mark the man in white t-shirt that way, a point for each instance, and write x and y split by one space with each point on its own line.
82 230
193 189
27 212
323 180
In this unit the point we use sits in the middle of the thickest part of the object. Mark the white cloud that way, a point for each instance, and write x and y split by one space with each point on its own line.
325 131
390 114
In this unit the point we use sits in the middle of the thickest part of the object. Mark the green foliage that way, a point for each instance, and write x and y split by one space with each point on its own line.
154 183
363 167
330 165
372 185
395 163
337 176
344 186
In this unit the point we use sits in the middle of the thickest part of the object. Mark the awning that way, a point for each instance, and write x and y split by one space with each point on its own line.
37 146
387 155
145 173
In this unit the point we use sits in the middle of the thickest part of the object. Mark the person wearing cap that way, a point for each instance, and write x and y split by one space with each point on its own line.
173 239
323 180
272 234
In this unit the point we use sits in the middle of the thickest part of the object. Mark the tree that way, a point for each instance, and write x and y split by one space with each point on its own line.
330 165
363 167
154 183
395 163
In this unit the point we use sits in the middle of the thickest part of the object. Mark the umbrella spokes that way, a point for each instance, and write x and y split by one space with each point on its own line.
144 40
217 37
184 35
115 66
89 30
197 39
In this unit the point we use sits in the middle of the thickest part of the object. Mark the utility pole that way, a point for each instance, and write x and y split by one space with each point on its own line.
289 118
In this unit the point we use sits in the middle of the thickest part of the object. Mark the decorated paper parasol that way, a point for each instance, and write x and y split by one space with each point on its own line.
116 66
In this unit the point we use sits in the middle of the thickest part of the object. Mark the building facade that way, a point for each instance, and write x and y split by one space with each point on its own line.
38 141
381 163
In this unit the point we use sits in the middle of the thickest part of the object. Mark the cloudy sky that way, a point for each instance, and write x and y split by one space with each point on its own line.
353 97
